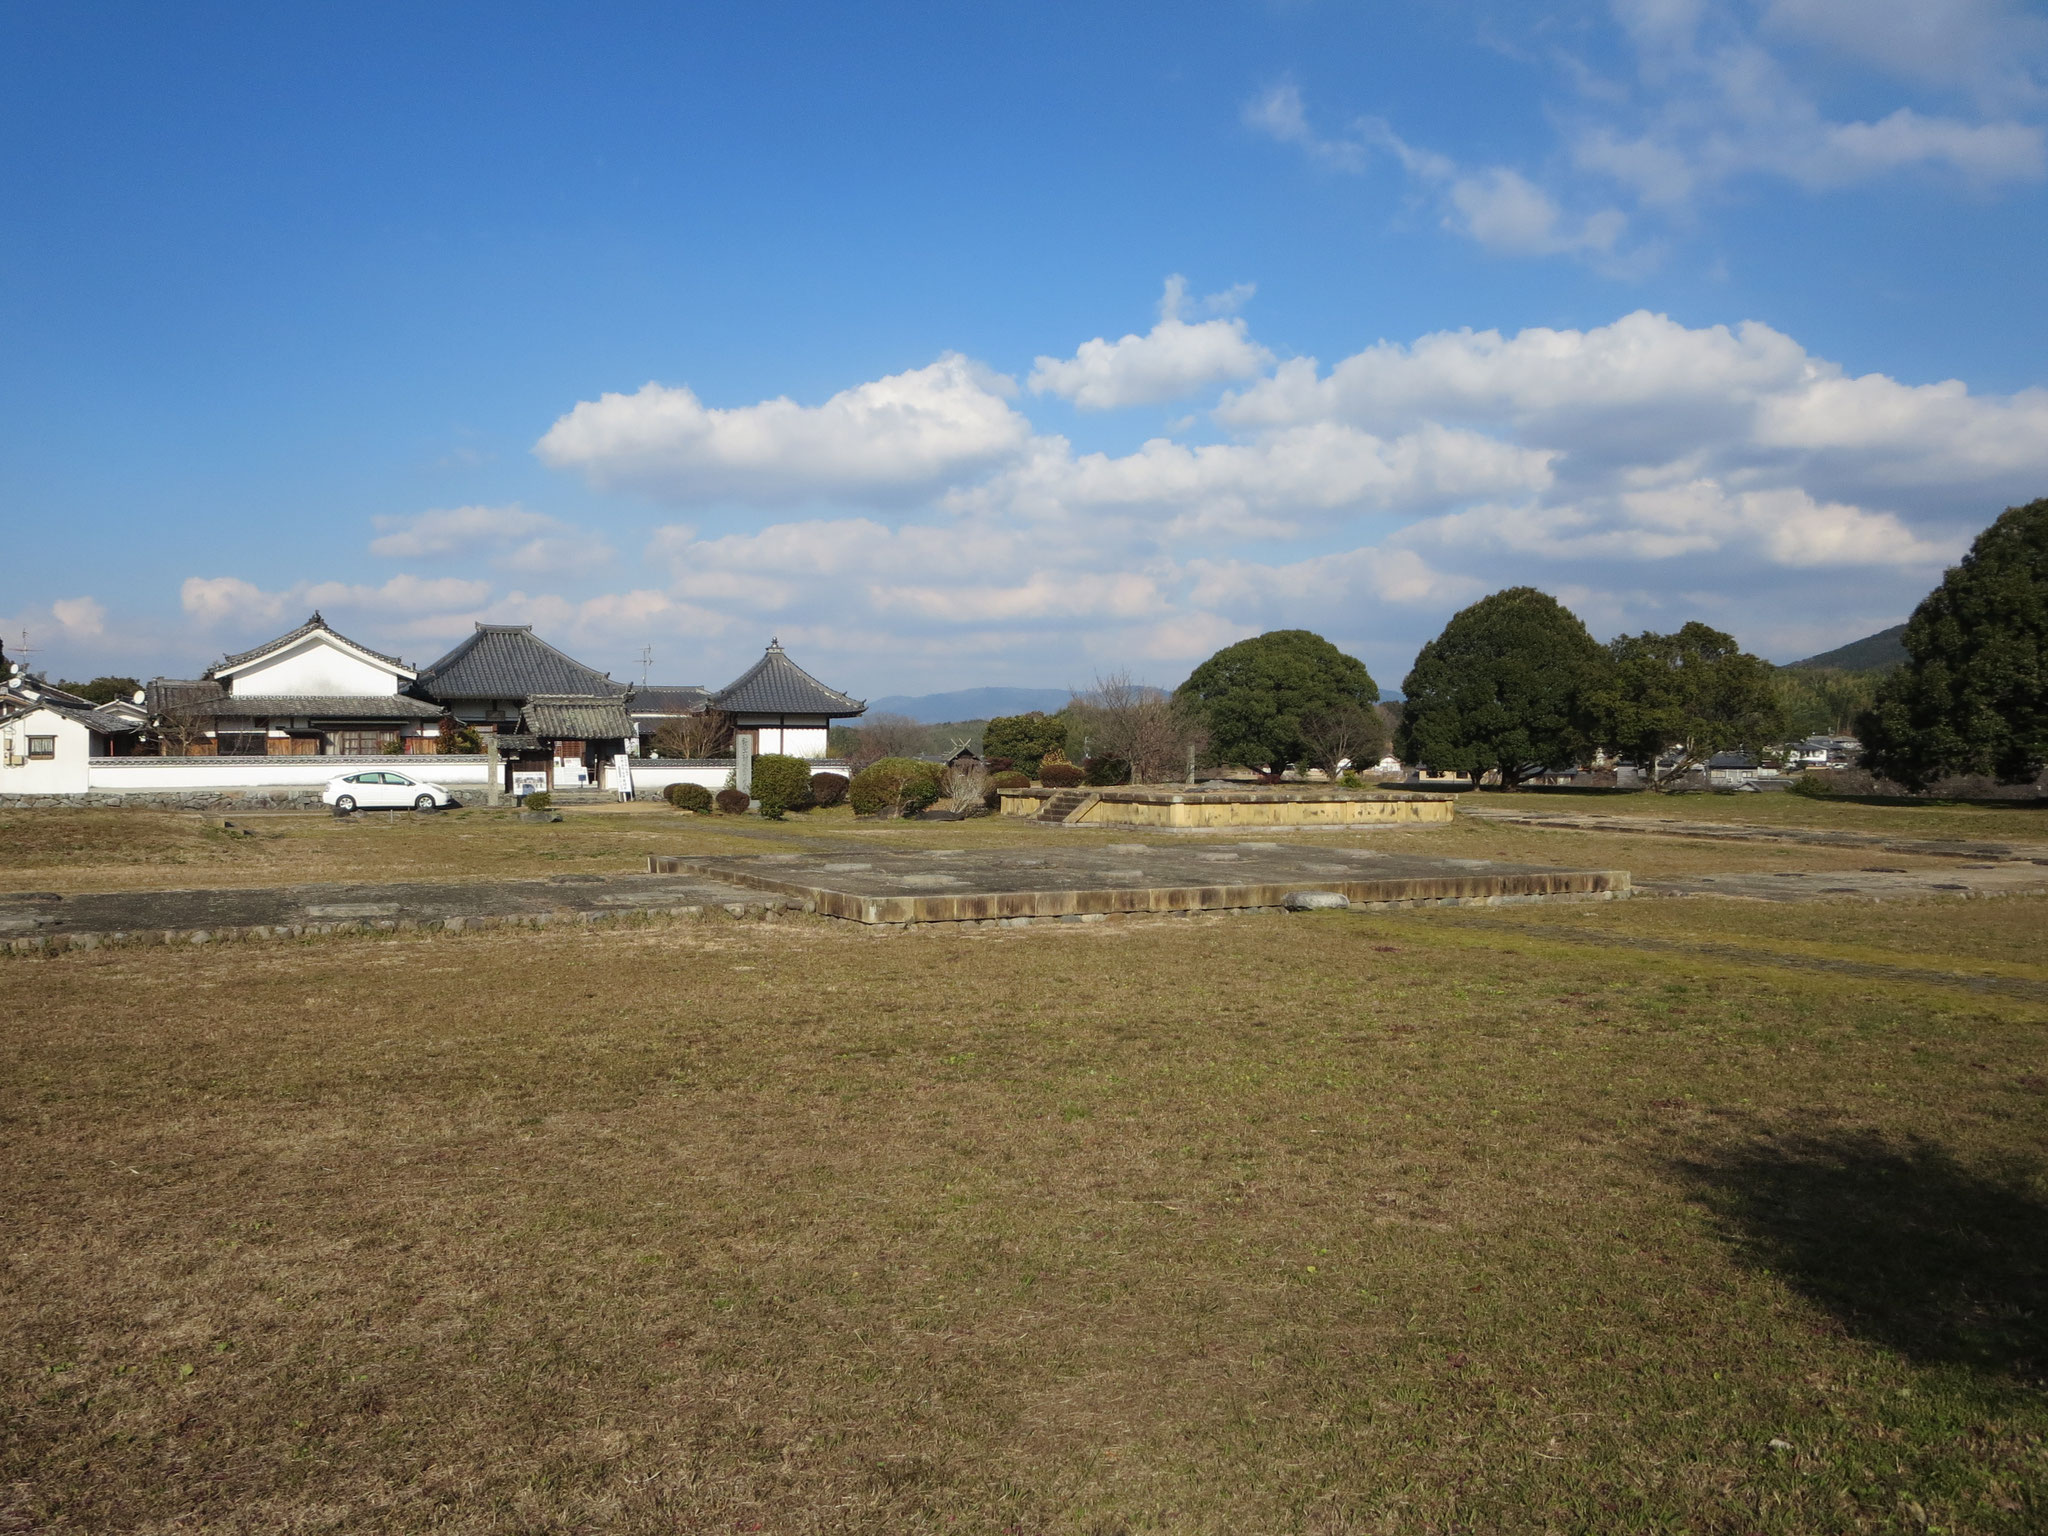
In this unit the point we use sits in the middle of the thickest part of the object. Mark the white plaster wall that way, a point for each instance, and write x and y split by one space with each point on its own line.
146 774
804 736
316 666
65 774
651 775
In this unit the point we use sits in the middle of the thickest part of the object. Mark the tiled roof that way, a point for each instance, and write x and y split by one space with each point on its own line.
577 717
171 695
507 661
28 682
775 685
177 696
305 629
667 699
106 725
347 706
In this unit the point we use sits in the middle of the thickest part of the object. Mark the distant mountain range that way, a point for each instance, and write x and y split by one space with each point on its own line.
1873 653
970 704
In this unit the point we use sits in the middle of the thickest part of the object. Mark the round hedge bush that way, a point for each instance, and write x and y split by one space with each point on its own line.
539 800
894 786
688 797
828 788
1000 764
1060 775
781 784
1009 778
1102 772
733 802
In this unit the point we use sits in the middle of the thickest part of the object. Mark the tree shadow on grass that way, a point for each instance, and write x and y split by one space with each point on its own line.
1902 1243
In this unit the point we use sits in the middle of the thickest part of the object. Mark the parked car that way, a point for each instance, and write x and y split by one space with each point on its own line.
380 789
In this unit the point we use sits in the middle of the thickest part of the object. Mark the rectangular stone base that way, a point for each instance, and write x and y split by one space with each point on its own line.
953 886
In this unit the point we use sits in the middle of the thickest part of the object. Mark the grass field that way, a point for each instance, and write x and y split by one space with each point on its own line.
109 850
1425 1222
2016 821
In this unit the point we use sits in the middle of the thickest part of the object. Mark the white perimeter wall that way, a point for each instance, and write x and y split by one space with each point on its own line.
144 775
651 775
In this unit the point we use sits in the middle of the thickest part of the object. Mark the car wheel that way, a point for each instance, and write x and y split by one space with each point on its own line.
423 803
345 803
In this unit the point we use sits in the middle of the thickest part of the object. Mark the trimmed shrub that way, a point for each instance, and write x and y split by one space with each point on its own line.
1060 776
539 800
1102 772
895 786
732 802
1812 784
1024 738
827 788
688 797
781 784
1000 764
1010 779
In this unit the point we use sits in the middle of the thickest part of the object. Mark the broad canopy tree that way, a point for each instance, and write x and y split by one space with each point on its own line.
1252 696
1692 694
1973 699
1509 686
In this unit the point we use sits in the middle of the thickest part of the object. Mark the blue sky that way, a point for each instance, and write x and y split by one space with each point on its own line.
970 345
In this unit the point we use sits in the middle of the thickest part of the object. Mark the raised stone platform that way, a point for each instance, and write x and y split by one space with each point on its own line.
1008 885
1238 807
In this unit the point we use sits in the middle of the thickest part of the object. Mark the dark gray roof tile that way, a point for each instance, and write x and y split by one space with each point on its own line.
307 628
775 685
508 661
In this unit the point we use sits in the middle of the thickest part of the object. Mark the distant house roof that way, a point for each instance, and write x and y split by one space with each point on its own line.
21 684
775 685
1731 760
577 717
92 719
667 699
315 624
179 695
508 661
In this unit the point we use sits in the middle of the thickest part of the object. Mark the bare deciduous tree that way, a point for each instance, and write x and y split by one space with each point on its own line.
881 736
1344 733
1143 726
708 733
967 785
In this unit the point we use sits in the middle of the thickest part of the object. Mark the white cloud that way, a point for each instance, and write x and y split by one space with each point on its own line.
1495 205
1170 361
80 617
511 536
1713 94
890 440
1993 50
219 600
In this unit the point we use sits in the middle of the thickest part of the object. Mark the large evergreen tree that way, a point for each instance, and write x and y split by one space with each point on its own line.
1252 696
1695 693
1510 684
1974 696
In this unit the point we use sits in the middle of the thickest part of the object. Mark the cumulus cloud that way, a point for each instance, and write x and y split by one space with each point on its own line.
230 600
888 441
1172 360
80 617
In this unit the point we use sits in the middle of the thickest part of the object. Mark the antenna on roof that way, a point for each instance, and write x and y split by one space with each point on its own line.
646 661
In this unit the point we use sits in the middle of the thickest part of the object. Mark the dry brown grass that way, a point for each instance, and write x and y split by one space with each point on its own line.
1397 1223
73 851
2016 821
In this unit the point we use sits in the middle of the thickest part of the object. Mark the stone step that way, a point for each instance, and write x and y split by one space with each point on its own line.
1062 805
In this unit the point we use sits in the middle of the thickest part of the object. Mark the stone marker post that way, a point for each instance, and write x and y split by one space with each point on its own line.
493 774
743 764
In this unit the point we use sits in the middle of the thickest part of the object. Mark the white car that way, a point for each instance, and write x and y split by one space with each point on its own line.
381 789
